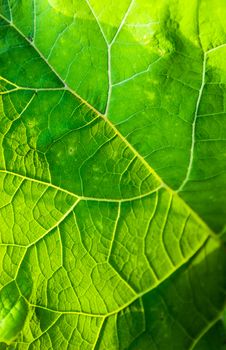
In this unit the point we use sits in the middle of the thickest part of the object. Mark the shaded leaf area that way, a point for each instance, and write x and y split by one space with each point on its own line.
214 338
180 101
187 304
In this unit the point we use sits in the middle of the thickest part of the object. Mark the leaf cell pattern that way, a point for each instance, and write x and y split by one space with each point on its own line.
107 171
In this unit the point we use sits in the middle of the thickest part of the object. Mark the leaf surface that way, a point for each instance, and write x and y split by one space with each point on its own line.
111 152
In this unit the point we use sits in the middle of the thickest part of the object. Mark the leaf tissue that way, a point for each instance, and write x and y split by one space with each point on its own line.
112 174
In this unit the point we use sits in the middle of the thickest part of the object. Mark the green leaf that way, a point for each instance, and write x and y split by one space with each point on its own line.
215 338
112 174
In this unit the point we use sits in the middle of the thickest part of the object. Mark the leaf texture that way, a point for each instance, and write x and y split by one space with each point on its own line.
112 174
